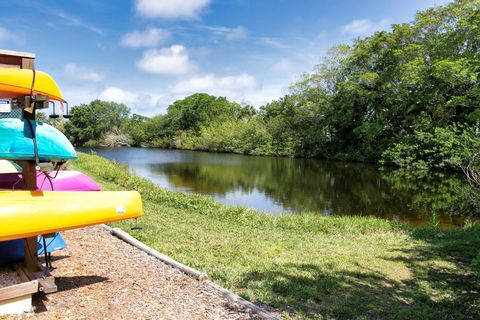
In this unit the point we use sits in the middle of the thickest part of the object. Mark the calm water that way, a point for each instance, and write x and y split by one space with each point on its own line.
276 185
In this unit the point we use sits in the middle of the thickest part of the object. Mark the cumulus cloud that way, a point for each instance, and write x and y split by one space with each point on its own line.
139 102
167 61
148 38
243 88
212 84
364 26
78 73
170 9
118 95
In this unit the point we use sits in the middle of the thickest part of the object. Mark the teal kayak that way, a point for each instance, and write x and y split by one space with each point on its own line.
17 143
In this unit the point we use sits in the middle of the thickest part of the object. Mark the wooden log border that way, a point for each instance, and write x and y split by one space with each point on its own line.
18 290
166 259
200 276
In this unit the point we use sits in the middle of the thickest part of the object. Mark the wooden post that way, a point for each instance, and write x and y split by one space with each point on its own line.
29 173
24 60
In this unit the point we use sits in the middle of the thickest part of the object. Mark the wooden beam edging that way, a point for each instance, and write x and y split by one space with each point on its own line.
109 229
261 312
18 290
200 276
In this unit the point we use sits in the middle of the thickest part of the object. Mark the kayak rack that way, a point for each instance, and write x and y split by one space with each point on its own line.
34 276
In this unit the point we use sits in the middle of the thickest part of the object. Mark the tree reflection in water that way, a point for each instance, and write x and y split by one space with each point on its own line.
304 185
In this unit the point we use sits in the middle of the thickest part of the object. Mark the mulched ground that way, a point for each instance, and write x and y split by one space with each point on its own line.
101 277
8 277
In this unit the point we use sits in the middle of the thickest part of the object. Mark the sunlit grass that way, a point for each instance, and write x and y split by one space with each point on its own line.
307 265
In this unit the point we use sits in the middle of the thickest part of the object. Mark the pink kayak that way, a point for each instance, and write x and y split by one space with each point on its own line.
61 181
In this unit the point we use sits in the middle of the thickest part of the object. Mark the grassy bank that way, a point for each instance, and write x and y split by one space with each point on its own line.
306 265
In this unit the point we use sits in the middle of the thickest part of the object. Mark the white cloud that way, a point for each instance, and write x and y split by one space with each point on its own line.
243 88
77 22
273 42
139 102
76 94
231 34
148 38
263 95
167 61
170 9
215 85
118 95
282 65
237 33
78 73
364 26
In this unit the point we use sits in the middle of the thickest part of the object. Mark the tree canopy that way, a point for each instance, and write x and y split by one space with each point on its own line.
408 97
91 122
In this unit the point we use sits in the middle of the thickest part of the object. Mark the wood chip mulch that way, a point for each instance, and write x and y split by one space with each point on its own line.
101 277
8 277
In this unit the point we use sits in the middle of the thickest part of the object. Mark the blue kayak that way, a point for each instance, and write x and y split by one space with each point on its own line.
16 141
54 243
13 250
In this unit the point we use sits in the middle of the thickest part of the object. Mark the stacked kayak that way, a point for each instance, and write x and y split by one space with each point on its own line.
17 83
29 213
17 143
63 199
25 214
54 181
13 250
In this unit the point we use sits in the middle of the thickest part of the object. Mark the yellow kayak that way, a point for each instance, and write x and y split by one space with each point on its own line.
30 213
16 83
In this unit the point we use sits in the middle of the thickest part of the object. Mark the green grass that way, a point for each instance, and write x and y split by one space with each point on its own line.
308 266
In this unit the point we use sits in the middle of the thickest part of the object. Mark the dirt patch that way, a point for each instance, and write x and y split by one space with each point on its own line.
99 276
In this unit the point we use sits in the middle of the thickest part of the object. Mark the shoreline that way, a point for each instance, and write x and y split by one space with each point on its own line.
380 186
305 265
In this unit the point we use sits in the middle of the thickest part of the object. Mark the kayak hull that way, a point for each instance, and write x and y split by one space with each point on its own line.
15 83
16 141
14 250
61 181
26 214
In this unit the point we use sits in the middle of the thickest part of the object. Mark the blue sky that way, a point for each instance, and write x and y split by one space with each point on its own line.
148 53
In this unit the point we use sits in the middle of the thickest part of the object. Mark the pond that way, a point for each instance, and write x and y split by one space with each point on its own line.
286 185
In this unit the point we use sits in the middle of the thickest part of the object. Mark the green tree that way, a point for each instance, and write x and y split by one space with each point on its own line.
408 97
198 110
136 128
90 122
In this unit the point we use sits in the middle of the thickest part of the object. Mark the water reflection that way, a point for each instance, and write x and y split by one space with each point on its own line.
277 185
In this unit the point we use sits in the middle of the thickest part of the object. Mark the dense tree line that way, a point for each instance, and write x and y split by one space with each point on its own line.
408 97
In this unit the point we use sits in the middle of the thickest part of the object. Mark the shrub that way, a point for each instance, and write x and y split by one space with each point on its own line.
437 148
